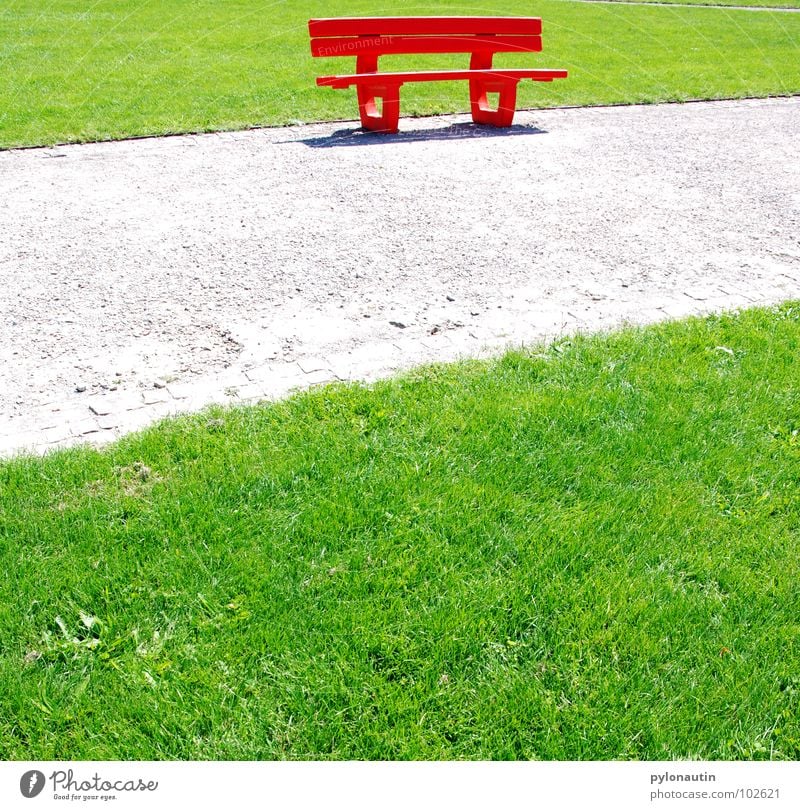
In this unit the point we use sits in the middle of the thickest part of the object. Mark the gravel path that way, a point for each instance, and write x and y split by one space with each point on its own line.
143 277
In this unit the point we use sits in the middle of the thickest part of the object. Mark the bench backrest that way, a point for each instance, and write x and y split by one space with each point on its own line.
378 36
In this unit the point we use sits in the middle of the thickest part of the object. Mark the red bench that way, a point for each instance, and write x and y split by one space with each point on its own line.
368 38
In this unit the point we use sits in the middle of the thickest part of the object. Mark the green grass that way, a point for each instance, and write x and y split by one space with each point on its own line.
584 551
716 3
128 67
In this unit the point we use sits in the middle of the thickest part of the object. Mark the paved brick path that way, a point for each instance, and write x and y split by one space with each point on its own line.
147 278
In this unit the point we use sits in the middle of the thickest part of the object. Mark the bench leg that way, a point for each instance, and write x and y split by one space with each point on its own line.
483 112
387 118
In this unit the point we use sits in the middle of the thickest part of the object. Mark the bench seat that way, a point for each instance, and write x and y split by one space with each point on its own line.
536 74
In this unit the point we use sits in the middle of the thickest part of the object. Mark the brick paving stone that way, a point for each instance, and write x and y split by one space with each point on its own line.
84 426
136 420
223 398
309 365
701 293
251 391
411 351
57 434
374 358
645 316
110 421
231 378
181 390
287 388
100 406
115 403
63 444
61 415
106 436
317 378
288 376
171 407
208 390
340 365
48 423
287 371
155 396
262 374
676 310
192 404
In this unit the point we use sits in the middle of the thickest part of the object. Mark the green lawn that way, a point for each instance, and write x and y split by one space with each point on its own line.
587 551
71 70
715 3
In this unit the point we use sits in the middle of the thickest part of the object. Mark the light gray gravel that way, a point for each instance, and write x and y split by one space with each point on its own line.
165 261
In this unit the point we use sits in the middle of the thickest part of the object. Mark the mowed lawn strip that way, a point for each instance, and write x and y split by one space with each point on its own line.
586 551
123 67
749 4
